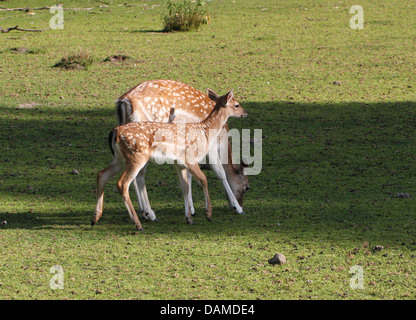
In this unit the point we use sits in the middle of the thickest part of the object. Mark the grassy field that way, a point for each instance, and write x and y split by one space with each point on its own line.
335 156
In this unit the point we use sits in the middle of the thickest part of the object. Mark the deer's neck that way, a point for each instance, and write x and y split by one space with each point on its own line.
216 120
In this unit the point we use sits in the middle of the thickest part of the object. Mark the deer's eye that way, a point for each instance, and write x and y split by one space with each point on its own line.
237 106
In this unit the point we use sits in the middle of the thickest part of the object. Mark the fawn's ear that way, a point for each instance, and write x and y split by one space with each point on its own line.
212 95
230 95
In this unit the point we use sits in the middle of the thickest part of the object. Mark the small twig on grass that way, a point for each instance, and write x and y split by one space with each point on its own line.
134 5
324 19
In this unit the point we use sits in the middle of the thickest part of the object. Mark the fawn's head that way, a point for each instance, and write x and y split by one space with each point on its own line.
228 101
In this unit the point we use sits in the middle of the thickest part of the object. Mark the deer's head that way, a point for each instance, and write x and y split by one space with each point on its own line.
239 182
228 102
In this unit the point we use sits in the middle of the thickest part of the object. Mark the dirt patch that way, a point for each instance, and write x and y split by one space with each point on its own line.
19 50
117 58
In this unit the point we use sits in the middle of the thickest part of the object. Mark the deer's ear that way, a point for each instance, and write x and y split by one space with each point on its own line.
212 95
243 164
230 95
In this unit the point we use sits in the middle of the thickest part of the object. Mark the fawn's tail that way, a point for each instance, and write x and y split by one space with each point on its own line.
112 140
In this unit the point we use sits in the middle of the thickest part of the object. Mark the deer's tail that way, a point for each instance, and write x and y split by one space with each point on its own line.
112 140
124 110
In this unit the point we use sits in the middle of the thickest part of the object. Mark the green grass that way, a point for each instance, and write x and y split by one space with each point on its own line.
334 156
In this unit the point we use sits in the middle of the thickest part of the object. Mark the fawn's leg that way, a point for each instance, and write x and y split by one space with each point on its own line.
183 182
202 180
123 184
102 178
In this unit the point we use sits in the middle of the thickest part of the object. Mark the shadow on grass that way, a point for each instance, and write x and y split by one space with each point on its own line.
329 170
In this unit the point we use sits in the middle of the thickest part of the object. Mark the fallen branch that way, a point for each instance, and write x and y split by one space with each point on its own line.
14 9
26 30
41 8
76 8
8 29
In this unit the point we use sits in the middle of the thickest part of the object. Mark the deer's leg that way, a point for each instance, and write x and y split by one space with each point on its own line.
191 202
102 178
184 184
219 171
139 196
202 180
123 185
142 197
218 168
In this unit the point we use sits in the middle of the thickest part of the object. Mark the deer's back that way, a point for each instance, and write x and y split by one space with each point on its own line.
154 100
